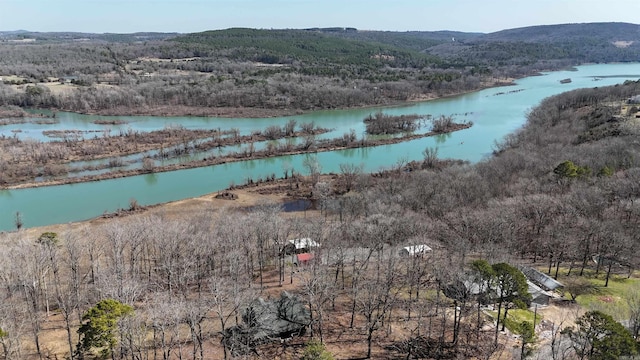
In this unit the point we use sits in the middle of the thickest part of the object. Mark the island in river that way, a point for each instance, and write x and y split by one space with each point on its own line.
50 158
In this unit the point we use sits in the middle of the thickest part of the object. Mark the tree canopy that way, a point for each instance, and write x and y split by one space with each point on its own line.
99 330
597 336
511 290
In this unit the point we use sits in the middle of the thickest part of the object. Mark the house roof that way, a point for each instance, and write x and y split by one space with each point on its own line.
416 249
304 243
541 279
634 99
473 287
537 291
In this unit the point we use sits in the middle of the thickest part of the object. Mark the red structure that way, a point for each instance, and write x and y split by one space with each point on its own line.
303 259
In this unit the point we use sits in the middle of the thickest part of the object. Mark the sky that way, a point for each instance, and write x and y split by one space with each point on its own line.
184 16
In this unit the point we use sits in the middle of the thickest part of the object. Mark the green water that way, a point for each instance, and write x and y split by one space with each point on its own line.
494 116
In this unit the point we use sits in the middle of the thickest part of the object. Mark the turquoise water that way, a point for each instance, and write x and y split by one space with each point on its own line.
493 116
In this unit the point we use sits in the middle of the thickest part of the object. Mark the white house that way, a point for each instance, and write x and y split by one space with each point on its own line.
634 100
414 250
297 246
304 243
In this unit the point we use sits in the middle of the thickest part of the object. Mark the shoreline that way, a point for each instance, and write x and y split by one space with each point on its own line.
178 111
229 159
257 113
247 196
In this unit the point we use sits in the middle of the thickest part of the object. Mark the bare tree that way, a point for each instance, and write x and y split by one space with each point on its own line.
376 298
350 173
29 271
430 155
314 168
229 296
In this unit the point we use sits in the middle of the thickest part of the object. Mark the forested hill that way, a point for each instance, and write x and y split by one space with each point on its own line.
313 45
288 69
563 44
414 40
603 32
566 43
558 45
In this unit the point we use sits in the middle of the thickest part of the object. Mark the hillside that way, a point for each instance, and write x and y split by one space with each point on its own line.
286 70
287 46
566 44
560 33
414 40
569 44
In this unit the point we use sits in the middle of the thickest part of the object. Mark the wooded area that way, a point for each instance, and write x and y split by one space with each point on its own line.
549 197
286 69
560 195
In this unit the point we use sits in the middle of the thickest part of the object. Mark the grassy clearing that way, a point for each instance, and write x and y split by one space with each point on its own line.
612 299
9 78
517 316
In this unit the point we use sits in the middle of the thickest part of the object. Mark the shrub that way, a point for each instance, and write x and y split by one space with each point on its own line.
316 350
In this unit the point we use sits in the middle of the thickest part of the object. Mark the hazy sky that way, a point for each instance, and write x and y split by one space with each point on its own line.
126 16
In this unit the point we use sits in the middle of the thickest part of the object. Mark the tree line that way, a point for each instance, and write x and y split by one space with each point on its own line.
232 68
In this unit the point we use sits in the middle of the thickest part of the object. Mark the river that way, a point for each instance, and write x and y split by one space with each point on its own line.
494 112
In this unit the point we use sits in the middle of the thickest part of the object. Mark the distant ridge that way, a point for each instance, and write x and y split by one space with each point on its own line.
562 44
549 46
71 36
606 31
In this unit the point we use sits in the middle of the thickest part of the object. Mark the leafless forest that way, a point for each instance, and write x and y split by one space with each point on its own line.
285 70
560 195
117 78
557 193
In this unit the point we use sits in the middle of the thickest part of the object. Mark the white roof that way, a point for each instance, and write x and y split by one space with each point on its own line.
541 278
536 290
304 243
417 249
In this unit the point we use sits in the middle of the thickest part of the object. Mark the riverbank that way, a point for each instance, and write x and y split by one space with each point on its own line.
494 118
319 146
182 110
10 114
251 112
245 199
241 198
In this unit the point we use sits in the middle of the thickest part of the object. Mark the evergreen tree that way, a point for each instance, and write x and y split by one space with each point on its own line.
99 330
599 337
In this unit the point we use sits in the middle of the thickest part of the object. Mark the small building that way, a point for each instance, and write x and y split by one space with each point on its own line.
298 246
634 100
539 297
542 280
414 250
302 259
